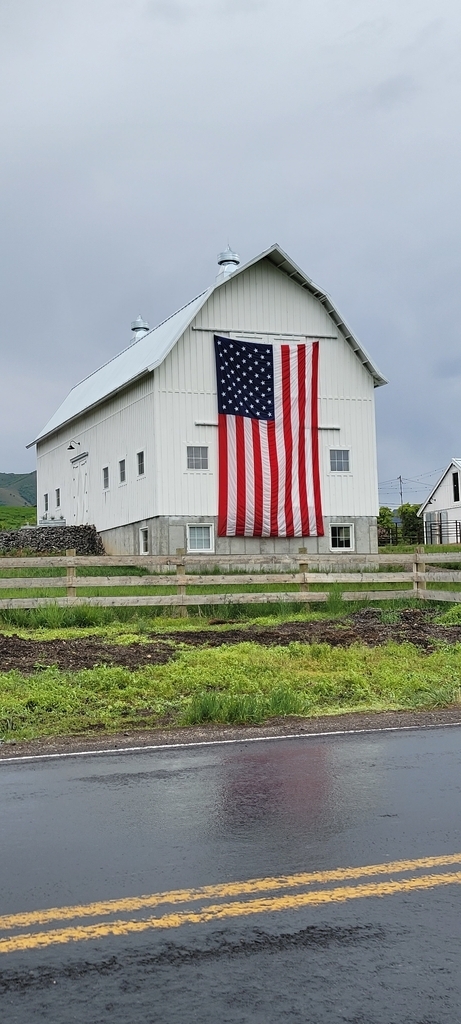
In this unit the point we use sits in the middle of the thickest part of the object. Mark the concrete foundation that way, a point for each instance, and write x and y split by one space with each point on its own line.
168 535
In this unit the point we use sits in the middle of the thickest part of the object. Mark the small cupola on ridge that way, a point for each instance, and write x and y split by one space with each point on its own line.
228 261
139 327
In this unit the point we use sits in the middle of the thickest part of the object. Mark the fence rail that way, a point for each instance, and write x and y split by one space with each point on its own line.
419 570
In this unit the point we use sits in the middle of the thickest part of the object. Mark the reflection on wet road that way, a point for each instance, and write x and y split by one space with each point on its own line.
297 880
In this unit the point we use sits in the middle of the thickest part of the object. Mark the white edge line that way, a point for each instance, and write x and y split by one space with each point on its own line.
214 743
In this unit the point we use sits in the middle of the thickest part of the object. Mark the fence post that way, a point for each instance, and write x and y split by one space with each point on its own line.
304 567
181 588
419 566
71 574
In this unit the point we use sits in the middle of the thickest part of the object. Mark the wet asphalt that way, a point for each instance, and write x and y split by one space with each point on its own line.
93 828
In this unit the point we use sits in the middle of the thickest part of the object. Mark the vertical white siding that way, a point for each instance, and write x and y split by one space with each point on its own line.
116 430
262 299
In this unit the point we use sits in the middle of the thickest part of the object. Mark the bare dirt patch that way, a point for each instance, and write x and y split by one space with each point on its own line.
365 627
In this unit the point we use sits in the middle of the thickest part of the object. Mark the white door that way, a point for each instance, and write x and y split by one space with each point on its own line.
80 491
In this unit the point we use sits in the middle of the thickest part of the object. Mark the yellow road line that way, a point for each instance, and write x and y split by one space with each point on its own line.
221 890
220 911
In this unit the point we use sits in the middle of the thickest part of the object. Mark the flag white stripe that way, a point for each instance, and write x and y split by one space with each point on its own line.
266 472
279 440
249 478
308 442
294 392
231 476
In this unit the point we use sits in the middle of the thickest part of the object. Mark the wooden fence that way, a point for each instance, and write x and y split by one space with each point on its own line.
418 571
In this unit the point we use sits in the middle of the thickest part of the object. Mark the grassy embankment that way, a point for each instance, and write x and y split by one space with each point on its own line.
14 518
245 683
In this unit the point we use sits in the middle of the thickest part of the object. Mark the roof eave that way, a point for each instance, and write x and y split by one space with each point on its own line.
282 261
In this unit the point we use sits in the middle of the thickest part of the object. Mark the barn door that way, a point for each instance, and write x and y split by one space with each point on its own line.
80 490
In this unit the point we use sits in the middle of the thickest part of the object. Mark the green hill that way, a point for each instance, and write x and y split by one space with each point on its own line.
18 489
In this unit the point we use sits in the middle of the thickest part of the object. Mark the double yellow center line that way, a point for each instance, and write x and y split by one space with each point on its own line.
236 899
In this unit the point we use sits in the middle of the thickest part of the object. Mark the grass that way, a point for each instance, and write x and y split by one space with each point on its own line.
13 518
239 684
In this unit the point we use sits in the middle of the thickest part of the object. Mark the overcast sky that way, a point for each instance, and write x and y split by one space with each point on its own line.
139 136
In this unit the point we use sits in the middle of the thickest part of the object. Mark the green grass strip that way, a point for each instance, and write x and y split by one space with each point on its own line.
240 684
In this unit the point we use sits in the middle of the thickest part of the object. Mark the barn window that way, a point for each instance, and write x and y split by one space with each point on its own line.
141 467
341 536
197 457
122 470
105 477
339 460
45 502
455 486
200 538
58 497
144 541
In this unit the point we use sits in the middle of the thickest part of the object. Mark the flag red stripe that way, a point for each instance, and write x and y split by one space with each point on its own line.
258 480
302 441
223 484
315 438
288 439
241 482
274 467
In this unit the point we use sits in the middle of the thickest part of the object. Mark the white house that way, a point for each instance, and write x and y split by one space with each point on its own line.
441 512
134 447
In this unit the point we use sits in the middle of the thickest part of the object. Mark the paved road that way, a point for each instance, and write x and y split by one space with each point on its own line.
314 880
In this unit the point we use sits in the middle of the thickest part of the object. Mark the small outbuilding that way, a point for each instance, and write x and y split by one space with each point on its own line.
441 512
242 424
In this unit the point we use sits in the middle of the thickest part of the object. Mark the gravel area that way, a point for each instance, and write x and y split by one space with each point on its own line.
353 722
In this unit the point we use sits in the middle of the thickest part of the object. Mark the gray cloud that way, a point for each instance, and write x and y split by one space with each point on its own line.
138 137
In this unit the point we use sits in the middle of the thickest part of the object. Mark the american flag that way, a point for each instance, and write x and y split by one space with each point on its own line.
269 479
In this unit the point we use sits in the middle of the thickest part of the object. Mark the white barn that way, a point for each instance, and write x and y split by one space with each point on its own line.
133 448
441 512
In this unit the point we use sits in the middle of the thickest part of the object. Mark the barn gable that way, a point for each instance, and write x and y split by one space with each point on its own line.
145 355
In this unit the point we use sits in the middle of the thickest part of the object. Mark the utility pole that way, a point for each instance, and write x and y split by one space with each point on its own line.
401 489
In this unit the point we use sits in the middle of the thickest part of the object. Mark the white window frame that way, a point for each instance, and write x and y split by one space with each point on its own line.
121 482
196 469
339 472
46 502
352 535
143 534
200 551
142 451
57 495
105 486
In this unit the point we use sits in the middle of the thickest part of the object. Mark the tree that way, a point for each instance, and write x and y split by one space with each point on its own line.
385 525
412 525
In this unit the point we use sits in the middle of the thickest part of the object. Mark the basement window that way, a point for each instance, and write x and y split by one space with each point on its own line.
339 460
341 536
105 478
58 497
45 502
144 542
200 538
455 486
197 457
141 466
122 471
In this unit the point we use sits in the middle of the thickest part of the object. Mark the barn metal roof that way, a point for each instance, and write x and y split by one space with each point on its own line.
149 352
454 462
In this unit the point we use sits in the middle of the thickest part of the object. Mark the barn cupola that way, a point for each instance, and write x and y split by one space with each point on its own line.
139 327
228 261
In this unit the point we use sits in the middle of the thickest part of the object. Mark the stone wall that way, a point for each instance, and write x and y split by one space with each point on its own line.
50 540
